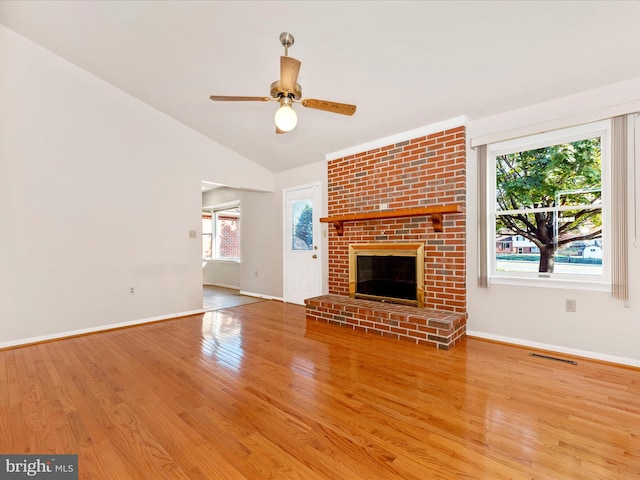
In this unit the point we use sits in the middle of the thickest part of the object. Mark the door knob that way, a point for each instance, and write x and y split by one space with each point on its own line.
314 256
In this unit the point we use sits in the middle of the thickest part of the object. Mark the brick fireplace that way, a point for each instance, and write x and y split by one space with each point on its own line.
428 171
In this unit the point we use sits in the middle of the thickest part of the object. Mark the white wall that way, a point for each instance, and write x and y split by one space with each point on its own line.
260 272
221 274
601 327
98 193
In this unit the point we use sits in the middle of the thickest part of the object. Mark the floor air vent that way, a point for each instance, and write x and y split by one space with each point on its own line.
557 359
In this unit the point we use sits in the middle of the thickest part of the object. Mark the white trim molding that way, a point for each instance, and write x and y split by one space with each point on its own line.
98 329
584 107
221 285
630 362
260 295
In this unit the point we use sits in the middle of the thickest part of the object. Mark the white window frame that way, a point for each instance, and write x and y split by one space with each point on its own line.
215 209
600 282
205 258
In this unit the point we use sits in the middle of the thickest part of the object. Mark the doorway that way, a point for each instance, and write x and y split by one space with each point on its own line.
302 246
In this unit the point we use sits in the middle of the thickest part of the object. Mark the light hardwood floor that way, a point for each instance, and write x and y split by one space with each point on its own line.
216 298
255 391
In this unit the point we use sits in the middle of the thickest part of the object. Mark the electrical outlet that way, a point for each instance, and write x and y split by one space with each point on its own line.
570 305
132 290
384 206
193 234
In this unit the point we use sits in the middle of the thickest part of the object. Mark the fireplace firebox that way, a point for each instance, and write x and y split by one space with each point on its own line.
387 272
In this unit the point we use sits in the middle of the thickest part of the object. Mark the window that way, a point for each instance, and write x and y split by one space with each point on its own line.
207 234
302 222
550 203
221 233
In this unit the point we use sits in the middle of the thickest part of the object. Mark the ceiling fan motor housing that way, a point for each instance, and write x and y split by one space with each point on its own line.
278 92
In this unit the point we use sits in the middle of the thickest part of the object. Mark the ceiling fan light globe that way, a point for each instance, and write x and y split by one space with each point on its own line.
286 118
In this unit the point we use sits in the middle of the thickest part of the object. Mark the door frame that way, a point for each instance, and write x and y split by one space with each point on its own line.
321 242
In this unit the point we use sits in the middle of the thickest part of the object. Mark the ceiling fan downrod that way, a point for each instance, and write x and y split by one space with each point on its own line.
286 39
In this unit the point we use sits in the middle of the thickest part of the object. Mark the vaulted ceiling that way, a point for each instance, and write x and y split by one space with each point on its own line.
404 64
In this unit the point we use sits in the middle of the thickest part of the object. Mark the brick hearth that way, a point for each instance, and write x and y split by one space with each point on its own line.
422 172
417 325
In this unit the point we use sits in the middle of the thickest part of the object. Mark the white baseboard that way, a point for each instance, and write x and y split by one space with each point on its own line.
631 362
222 285
243 292
100 328
260 295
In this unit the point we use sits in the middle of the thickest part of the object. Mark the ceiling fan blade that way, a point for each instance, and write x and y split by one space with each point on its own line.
289 69
334 107
278 131
230 98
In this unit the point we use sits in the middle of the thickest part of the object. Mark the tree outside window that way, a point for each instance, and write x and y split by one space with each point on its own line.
302 238
548 214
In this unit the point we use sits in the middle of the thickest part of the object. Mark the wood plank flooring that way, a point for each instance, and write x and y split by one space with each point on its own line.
255 391
216 298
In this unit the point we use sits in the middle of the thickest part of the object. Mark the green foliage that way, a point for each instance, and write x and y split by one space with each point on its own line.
533 178
558 175
304 226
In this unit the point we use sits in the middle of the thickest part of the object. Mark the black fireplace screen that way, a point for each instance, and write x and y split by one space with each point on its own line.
389 276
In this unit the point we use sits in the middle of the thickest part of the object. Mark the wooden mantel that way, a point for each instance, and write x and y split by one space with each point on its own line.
435 211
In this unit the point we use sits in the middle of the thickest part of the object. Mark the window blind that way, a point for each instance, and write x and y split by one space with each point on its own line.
619 211
483 275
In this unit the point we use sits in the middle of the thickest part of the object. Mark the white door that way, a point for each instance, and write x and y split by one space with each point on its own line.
302 255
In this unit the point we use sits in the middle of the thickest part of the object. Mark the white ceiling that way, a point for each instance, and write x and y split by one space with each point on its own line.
404 64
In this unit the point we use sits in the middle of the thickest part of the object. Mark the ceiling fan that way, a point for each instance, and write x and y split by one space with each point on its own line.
287 91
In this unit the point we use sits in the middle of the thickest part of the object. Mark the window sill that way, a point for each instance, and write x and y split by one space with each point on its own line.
557 283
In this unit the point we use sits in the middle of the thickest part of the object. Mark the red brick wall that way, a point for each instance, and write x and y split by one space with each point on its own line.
415 173
229 236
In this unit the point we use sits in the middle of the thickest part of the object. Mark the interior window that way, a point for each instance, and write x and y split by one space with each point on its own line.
221 233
